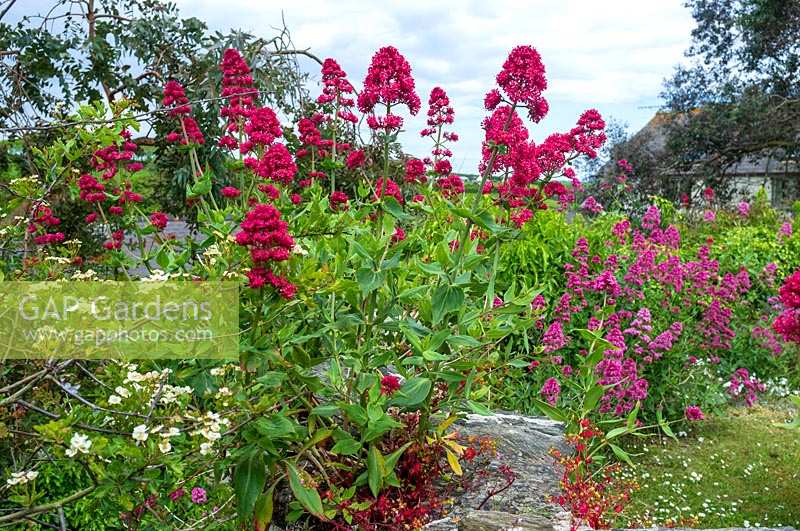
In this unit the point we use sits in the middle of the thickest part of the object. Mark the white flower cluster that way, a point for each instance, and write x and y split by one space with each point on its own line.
141 433
20 478
61 260
211 430
79 443
156 276
779 387
121 393
89 274
171 393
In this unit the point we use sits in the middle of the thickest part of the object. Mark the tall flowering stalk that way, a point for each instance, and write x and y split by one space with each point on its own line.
337 91
388 83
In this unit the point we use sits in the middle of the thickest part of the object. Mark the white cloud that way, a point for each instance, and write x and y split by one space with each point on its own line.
608 55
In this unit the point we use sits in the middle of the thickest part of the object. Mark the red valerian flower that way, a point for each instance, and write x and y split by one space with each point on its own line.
399 235
440 112
230 192
787 325
237 84
116 240
355 159
389 82
522 80
337 90
43 219
338 200
790 291
159 220
451 185
265 234
415 171
193 133
175 96
390 384
550 391
276 164
262 128
694 413
503 128
91 190
591 205
492 99
387 187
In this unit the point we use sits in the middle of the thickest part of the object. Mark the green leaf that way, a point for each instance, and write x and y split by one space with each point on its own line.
348 446
263 510
445 300
249 479
201 187
369 280
592 397
480 409
392 458
413 392
375 470
326 410
519 364
552 412
621 454
307 496
431 355
616 432
391 206
632 416
464 341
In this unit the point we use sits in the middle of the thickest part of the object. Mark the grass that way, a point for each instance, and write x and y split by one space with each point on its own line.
737 470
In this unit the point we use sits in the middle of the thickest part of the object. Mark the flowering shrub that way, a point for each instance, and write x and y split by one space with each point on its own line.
366 308
380 300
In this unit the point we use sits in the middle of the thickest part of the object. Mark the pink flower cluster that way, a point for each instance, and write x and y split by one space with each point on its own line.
265 234
744 386
388 82
643 272
175 97
787 324
337 90
41 223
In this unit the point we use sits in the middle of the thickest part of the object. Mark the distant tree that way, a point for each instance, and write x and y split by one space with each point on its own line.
86 50
739 98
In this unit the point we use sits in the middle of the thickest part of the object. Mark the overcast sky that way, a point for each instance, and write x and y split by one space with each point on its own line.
611 55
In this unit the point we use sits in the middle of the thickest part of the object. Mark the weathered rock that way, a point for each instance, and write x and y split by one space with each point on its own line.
500 521
523 444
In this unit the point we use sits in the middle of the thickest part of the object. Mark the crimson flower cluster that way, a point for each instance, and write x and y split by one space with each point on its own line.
388 82
110 191
266 235
337 90
238 87
522 79
788 322
41 223
175 97
528 169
